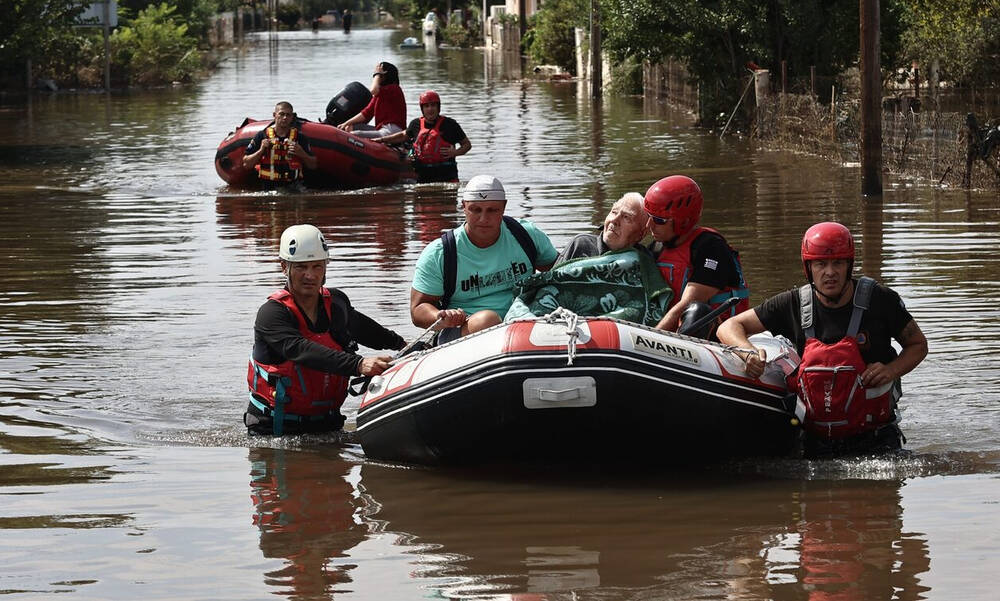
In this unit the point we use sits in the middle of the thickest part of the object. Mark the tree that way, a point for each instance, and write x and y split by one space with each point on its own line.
551 39
963 35
31 29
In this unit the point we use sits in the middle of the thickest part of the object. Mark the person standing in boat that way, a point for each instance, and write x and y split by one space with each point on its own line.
387 105
838 323
465 281
437 140
625 225
696 261
305 344
279 151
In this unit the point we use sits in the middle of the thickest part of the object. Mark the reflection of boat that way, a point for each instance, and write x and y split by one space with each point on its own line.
344 160
553 387
411 43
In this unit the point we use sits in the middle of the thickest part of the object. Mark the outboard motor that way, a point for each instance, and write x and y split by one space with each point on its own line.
349 102
690 318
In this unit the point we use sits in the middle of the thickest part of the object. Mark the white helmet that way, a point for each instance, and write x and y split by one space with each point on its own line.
483 187
301 243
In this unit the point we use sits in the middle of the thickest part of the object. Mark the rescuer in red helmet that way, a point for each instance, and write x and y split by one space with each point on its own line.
437 140
848 380
697 262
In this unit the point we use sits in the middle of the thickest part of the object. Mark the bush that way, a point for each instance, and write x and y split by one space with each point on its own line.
455 34
153 49
553 41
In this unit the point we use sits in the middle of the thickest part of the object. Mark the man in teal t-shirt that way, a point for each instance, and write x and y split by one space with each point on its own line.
490 262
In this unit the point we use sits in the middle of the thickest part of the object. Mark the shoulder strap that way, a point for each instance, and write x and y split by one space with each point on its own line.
450 247
523 238
806 310
862 300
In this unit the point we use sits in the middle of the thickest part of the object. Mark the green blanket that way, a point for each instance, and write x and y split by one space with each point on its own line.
624 284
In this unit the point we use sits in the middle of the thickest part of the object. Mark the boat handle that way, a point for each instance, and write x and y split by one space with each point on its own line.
567 394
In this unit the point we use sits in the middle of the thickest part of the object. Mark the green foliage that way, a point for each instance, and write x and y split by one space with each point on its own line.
716 38
289 15
154 48
553 41
964 35
455 34
31 29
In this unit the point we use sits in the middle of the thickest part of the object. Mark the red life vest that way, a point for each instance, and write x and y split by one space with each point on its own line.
675 265
832 402
279 165
289 389
429 144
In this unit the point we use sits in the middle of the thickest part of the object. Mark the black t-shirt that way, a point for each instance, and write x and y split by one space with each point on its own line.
446 171
277 337
301 139
712 262
884 320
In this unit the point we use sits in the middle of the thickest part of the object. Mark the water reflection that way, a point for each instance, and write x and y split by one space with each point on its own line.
594 537
304 508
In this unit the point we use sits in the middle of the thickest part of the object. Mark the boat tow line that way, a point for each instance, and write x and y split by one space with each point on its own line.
571 319
412 344
361 384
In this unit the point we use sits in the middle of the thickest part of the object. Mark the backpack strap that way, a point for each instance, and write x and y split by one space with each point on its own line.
862 300
450 267
806 310
450 246
523 238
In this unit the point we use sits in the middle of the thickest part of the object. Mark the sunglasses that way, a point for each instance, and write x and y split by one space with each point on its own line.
659 220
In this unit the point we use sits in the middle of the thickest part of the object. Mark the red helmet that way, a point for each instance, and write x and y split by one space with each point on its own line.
678 198
827 240
430 97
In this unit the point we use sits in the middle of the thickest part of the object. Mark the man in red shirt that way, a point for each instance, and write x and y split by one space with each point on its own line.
387 106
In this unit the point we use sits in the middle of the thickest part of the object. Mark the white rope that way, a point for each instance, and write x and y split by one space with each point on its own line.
572 320
406 348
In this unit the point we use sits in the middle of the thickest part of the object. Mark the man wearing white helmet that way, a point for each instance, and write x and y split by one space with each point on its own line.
305 344
466 279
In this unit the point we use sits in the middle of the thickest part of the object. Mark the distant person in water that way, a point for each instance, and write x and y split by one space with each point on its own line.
306 338
437 140
347 19
624 226
387 106
279 152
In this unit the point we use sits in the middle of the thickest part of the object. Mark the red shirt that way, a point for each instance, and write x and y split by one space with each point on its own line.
388 106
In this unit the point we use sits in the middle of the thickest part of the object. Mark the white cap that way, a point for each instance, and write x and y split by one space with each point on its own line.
300 243
483 187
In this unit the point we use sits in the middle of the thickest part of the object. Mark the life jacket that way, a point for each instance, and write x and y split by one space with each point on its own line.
832 402
450 248
675 265
279 165
429 144
288 391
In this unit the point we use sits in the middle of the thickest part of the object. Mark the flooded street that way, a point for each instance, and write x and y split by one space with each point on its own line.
131 276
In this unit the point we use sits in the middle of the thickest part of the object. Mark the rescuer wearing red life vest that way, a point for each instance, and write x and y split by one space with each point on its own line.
843 323
279 151
305 344
697 262
437 140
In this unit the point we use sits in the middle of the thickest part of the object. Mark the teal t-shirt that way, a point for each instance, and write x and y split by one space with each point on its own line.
486 277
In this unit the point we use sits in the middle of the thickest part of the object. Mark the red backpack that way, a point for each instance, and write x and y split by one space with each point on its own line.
832 402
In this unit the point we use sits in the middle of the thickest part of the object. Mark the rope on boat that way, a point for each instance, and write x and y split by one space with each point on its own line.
406 348
561 314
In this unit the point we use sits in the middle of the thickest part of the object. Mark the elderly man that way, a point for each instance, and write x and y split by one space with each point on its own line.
305 344
624 226
278 152
466 278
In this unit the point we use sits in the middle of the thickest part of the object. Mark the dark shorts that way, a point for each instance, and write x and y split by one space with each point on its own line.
448 335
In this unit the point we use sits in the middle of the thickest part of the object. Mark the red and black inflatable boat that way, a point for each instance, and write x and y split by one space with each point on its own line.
563 387
344 160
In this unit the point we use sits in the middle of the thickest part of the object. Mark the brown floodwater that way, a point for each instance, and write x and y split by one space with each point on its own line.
130 276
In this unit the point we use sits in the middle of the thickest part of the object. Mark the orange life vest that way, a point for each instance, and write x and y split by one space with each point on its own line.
290 390
429 144
279 165
675 265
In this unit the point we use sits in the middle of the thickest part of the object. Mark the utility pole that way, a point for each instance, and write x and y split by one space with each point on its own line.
871 100
596 69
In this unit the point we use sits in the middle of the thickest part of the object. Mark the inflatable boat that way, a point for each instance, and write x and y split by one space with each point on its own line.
563 387
344 160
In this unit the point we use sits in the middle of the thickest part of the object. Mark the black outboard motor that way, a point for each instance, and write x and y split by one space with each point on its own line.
349 102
